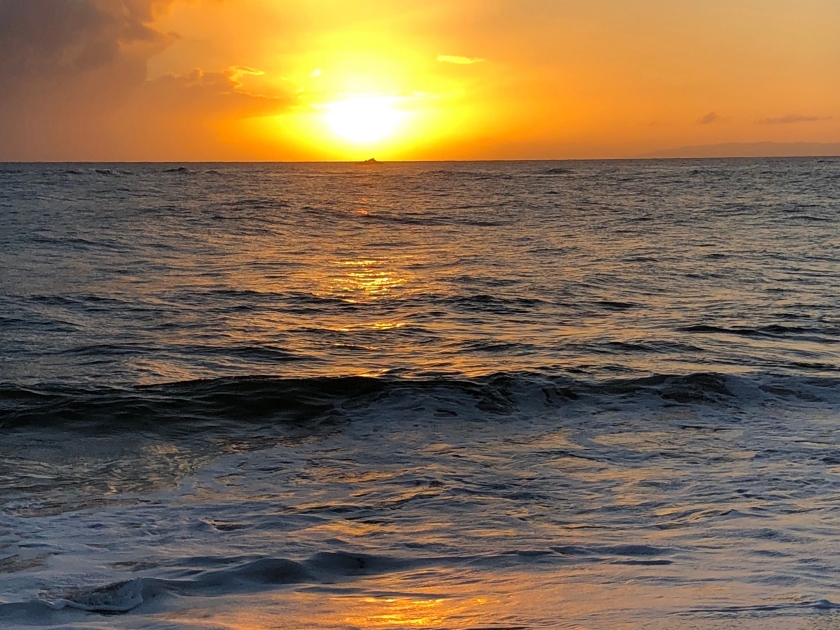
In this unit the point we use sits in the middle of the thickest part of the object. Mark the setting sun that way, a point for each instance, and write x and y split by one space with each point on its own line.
365 120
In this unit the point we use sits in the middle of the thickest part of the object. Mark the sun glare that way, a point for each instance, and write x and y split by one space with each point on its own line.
365 119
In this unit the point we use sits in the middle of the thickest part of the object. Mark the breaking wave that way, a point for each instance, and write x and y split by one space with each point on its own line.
261 399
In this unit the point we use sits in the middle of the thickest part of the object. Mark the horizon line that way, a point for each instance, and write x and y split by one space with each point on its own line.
642 158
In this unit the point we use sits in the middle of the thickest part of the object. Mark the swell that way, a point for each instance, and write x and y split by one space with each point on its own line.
821 333
330 569
268 400
238 575
226 399
265 573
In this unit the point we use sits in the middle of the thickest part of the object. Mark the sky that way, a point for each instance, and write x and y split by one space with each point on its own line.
287 80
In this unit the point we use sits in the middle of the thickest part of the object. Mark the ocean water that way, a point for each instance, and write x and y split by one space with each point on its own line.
523 395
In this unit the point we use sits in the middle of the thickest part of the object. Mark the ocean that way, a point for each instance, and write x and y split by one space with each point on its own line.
496 395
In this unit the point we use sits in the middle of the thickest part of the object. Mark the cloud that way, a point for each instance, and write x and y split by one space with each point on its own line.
792 119
45 39
236 73
74 84
176 117
708 119
209 94
456 59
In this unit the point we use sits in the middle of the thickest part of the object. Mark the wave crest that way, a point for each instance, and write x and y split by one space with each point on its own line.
296 400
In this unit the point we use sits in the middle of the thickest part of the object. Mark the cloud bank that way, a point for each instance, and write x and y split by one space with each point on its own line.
75 86
42 40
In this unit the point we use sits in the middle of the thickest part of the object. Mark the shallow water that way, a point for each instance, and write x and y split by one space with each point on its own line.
492 395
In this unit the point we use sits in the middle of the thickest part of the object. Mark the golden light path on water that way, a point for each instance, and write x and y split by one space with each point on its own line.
353 612
505 604
366 279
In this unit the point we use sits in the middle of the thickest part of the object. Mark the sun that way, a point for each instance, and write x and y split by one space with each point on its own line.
365 119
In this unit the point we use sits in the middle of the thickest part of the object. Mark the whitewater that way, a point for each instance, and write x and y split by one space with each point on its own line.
420 395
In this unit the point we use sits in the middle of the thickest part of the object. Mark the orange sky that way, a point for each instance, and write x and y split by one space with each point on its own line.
177 80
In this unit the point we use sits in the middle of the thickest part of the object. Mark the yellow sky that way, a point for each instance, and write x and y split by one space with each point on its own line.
400 79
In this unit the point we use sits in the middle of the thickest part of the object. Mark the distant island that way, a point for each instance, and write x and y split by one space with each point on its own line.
750 149
370 161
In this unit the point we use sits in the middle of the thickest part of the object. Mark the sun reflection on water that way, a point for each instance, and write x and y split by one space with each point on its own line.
309 608
365 279
388 325
408 612
402 613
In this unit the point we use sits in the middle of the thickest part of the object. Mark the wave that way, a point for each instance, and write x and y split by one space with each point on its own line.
814 333
322 568
464 174
485 303
269 400
265 573
249 576
112 172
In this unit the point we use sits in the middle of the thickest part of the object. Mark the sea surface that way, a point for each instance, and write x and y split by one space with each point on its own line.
525 395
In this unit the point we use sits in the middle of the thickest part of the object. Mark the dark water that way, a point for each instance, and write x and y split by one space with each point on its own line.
579 395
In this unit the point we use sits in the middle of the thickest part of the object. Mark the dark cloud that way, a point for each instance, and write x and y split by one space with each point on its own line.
73 84
792 119
173 117
67 64
42 40
708 119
